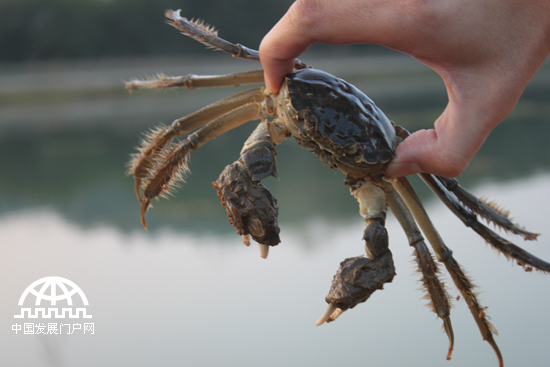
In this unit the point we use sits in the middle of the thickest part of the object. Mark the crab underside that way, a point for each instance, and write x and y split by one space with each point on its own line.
342 126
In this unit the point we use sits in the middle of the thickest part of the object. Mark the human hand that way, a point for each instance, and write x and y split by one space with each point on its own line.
485 51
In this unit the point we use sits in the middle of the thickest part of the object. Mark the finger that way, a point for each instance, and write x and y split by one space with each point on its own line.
283 43
442 151
423 152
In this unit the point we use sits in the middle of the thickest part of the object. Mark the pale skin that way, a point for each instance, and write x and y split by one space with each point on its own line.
485 51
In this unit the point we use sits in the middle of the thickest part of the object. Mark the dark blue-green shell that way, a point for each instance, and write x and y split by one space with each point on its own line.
340 123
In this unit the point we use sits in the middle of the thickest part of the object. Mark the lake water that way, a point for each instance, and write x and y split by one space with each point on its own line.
187 292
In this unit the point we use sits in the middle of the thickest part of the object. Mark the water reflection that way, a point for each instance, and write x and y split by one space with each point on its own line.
173 298
66 144
187 292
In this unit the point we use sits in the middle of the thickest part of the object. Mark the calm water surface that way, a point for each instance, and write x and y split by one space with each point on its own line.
188 293
174 298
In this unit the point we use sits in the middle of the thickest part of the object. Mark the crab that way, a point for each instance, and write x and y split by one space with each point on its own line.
344 128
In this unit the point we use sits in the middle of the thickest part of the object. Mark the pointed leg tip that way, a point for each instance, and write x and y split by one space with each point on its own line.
144 206
447 326
494 345
143 222
137 188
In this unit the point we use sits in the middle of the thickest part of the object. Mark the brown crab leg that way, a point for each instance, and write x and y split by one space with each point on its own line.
444 254
155 144
209 37
192 81
483 209
172 164
438 295
508 249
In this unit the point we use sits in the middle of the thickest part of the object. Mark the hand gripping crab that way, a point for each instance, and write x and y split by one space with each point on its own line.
343 127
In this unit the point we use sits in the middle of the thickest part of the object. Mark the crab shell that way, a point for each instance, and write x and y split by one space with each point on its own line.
337 122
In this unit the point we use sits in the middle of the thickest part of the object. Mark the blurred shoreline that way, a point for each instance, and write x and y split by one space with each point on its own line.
57 94
60 93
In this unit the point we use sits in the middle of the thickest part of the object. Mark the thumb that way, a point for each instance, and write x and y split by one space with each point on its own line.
426 151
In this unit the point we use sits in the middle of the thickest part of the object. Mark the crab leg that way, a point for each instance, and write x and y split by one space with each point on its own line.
436 292
508 249
155 144
192 81
444 254
359 277
172 163
251 208
483 209
208 36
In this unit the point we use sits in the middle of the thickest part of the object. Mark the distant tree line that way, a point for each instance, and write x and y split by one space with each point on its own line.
53 29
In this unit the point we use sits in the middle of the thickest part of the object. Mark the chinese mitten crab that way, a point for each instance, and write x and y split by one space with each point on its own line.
343 127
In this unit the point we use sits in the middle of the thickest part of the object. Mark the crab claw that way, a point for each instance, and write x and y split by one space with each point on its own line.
251 208
355 281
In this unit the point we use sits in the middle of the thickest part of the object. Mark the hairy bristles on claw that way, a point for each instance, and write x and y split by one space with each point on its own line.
495 206
436 293
141 163
184 25
199 23
492 213
461 280
151 143
506 223
169 168
431 285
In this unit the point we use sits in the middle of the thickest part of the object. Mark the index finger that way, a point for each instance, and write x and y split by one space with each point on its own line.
282 44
